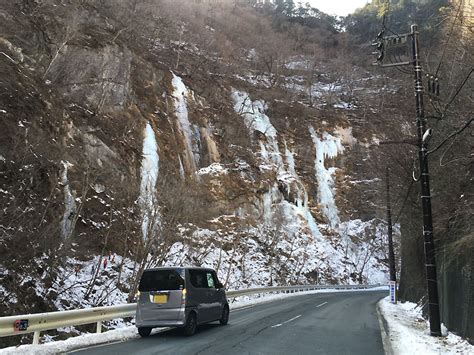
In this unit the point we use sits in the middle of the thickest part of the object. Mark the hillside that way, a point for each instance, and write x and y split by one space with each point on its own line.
155 133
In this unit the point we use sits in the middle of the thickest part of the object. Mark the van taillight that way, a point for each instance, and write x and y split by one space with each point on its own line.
183 296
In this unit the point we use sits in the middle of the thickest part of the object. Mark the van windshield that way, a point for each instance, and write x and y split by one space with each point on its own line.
161 280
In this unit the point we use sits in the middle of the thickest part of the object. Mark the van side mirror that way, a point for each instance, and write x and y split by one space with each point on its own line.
219 285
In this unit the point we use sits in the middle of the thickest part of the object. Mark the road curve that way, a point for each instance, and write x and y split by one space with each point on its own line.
323 323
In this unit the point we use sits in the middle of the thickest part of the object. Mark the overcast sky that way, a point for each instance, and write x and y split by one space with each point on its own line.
336 7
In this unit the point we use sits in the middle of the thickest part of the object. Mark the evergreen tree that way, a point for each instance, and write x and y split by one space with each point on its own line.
366 22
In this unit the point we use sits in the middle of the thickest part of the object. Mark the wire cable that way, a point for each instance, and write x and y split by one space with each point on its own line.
449 38
454 134
404 202
458 91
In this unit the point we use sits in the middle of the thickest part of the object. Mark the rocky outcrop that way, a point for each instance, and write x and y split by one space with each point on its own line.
253 180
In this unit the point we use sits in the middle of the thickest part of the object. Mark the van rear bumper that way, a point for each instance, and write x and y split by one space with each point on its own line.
178 321
155 324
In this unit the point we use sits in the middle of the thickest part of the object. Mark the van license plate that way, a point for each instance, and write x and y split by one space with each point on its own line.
160 298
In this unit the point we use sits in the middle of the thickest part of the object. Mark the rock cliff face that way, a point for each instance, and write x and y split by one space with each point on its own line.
120 134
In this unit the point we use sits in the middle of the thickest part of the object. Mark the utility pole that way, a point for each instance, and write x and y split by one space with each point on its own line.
381 44
391 254
423 136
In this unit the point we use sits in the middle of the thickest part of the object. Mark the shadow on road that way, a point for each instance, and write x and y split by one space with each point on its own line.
178 332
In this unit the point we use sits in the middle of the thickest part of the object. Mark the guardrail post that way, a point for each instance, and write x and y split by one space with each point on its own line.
36 337
99 327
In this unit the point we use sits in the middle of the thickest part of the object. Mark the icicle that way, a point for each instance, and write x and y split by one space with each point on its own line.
70 209
149 176
328 147
190 132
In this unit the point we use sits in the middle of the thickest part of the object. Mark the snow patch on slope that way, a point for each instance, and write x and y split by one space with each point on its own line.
215 169
364 244
89 284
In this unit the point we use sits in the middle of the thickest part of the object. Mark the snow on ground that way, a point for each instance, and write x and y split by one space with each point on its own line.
364 243
81 341
299 62
89 283
130 332
149 175
408 332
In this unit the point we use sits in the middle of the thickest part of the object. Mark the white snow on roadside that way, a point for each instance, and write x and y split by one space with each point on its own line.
130 332
72 343
409 333
149 176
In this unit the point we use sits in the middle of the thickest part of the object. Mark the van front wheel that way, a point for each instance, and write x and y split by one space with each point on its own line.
144 331
225 315
191 323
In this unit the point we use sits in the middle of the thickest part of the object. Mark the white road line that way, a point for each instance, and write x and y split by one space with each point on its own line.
241 308
322 304
287 321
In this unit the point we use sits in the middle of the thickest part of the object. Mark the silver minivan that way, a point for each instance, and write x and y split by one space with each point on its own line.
179 297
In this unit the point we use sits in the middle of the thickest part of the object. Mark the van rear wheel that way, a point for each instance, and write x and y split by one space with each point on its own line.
225 315
191 324
144 331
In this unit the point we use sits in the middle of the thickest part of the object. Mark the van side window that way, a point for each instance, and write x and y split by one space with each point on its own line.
198 278
216 279
210 280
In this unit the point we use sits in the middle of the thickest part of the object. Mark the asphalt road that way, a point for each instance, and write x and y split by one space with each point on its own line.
325 323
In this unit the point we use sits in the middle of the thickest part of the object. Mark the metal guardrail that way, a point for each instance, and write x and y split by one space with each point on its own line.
39 322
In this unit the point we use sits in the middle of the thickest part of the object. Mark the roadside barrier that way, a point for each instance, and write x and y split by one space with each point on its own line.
38 322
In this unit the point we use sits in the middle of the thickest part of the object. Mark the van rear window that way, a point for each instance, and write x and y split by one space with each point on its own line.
161 280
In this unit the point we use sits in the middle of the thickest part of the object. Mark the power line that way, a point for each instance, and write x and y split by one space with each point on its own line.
458 91
449 38
455 133
404 202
